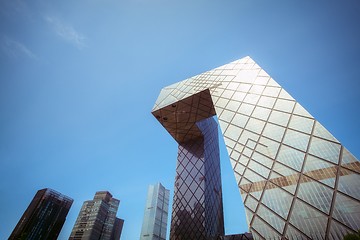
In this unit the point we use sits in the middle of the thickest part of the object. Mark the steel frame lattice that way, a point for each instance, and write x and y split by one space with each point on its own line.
296 180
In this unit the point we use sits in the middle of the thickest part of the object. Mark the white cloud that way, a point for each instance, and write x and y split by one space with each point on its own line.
66 32
16 49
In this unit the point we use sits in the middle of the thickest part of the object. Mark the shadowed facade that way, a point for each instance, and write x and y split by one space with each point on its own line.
296 180
197 206
44 217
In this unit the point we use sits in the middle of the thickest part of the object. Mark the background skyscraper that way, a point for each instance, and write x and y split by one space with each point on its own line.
296 179
97 219
44 217
156 213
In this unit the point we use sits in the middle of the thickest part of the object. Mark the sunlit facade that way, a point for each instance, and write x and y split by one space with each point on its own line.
296 180
97 219
156 213
44 217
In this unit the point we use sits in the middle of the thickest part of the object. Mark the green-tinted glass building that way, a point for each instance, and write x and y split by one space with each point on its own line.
296 180
156 213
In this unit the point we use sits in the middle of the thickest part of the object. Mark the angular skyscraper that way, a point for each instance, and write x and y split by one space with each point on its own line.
156 213
197 205
44 217
296 180
97 219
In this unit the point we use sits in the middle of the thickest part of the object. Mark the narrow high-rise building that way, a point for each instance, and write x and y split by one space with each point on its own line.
156 213
44 217
97 219
297 181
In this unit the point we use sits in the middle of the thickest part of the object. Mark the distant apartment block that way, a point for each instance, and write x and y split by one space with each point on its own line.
97 219
44 217
156 213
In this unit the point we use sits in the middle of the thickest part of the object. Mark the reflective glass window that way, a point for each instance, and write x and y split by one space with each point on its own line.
262 80
320 170
277 200
266 101
257 89
240 120
349 183
284 105
347 211
296 139
299 110
251 203
315 194
246 109
274 131
271 218
291 157
251 98
320 131
271 91
264 229
308 220
262 159
325 149
279 118
260 169
302 124
255 125
261 113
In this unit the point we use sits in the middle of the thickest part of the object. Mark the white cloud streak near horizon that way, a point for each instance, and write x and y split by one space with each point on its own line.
16 49
66 32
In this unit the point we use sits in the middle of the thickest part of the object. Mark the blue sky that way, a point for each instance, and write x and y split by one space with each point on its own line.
78 80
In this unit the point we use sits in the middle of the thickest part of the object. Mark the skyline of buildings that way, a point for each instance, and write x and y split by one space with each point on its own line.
296 180
97 219
44 217
155 219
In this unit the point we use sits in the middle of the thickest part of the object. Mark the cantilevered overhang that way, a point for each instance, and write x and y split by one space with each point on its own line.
179 118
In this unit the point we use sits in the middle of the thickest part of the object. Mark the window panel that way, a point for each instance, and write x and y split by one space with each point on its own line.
325 149
349 183
308 220
315 194
284 105
274 131
302 124
264 229
277 200
279 118
347 211
271 91
296 139
262 113
291 157
272 218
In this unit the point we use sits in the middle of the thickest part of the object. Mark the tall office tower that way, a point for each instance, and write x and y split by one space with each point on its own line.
97 219
197 204
156 213
296 180
44 217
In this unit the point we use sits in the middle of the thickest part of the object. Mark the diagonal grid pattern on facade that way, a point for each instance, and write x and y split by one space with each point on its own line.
296 180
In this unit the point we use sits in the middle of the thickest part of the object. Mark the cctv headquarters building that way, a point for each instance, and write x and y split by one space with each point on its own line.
296 180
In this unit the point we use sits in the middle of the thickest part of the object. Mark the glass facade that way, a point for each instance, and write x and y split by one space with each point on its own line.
296 180
156 213
97 219
44 217
197 206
